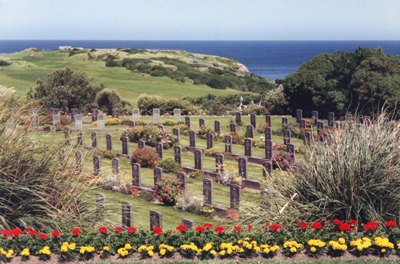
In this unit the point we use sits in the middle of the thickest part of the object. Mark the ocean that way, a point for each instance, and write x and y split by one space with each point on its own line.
270 59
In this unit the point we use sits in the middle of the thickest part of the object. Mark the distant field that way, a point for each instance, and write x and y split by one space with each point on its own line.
28 66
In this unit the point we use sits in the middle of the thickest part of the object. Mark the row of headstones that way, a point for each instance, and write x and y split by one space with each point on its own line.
127 221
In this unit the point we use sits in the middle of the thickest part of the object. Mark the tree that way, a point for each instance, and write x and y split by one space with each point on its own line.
106 100
65 89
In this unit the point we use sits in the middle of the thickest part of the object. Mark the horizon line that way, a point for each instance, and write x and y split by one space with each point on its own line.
199 40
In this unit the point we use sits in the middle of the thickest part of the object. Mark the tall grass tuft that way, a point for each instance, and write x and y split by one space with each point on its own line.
355 174
35 190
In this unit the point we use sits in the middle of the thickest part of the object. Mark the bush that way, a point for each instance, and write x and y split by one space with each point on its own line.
4 63
282 160
169 122
203 131
109 122
237 138
146 103
169 165
146 157
212 152
109 99
276 101
167 190
152 135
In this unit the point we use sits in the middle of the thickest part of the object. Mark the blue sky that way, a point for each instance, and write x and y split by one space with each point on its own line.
200 19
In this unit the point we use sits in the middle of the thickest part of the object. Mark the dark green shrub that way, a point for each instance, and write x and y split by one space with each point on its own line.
146 157
169 165
4 63
106 100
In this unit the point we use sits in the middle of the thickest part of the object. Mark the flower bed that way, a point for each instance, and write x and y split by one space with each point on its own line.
316 239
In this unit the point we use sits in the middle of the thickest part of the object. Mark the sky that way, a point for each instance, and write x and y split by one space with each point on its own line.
200 19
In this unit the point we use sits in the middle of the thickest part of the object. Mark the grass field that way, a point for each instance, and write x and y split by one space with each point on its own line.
28 66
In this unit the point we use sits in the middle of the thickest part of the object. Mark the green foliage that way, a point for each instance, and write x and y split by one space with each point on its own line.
364 81
65 89
276 102
107 100
146 103
169 165
146 157
151 135
4 63
166 190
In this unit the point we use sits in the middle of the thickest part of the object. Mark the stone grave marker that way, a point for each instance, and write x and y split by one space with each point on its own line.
108 142
234 196
268 133
136 174
320 126
131 124
114 113
74 111
210 140
160 127
115 166
268 149
79 139
217 127
126 214
67 136
187 121
228 143
141 143
175 132
158 174
249 131
125 150
314 117
284 122
268 120
232 127
188 223
160 149
177 115
219 162
78 121
56 119
100 122
267 169
95 112
156 115
331 119
299 115
238 118
248 147
198 159
96 165
242 165
338 124
192 139
290 150
207 191
181 177
178 154
135 114
155 219
286 136
201 122
307 138
253 120
302 123
94 139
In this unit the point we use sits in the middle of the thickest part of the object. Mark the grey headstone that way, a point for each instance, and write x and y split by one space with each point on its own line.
210 140
307 137
268 133
228 143
320 126
248 147
234 196
249 131
125 150
96 165
192 138
159 149
217 126
314 117
115 166
175 132
238 118
290 150
268 149
178 154
187 121
135 114
284 122
94 139
267 169
299 115
156 115
253 120
101 122
126 214
136 174
158 174
268 120
181 177
78 121
198 159
177 115
155 219
114 113
219 161
188 223
95 112
108 142
302 123
56 119
242 165
201 122
287 134
207 191
141 143
331 119
232 127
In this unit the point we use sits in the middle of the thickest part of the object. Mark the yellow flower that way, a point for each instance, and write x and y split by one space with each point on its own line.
82 250
213 252
293 249
150 252
45 251
222 252
25 252
64 248
313 249
162 252
383 250
106 248
128 246
72 246
341 240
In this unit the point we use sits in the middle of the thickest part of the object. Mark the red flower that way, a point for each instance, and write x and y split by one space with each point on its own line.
43 236
28 229
219 229
207 225
316 225
237 228
118 229
345 227
32 232
353 222
337 222
132 230
76 231
181 228
275 227
16 232
249 227
55 234
370 226
103 230
302 224
267 225
157 230
391 224
200 228
5 232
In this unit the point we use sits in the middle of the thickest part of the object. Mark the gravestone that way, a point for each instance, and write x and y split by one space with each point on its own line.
56 119
78 161
108 142
302 123
234 196
219 162
181 177
338 124
158 174
187 121
67 136
96 165
201 122
299 115
192 139
136 174
249 131
268 133
217 127
78 121
248 147
178 154
125 150
135 114
156 115
331 119
253 120
188 223
242 165
159 149
79 139
141 143
284 122
267 169
160 127
74 112
314 117
207 191
198 159
155 219
286 136
100 206
210 140
94 139
115 166
232 127
100 122
131 124
114 113
320 126
228 143
268 120
175 132
126 214
95 112
290 150
177 115
268 149
307 138
238 118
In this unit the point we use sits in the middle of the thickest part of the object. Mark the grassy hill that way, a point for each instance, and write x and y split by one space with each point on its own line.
29 65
